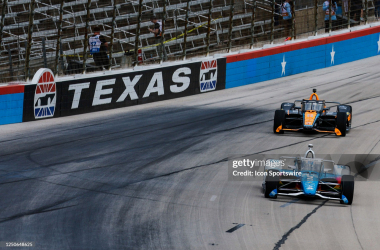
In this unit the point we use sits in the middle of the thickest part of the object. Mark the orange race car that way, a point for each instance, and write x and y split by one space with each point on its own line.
313 115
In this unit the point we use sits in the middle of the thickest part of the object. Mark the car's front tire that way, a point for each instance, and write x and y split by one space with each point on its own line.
271 184
347 189
279 120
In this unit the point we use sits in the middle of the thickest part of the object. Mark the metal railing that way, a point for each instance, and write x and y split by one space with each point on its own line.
55 33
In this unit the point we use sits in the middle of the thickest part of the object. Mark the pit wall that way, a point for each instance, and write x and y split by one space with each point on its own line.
46 97
298 57
11 104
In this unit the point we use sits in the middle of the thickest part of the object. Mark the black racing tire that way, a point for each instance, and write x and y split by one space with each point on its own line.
279 119
349 122
271 183
341 121
347 188
347 109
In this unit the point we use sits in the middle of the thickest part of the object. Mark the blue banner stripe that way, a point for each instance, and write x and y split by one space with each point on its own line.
303 60
11 108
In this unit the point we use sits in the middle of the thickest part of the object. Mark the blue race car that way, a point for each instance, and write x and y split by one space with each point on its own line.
309 177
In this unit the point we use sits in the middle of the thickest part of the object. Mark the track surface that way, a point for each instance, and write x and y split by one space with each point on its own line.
155 176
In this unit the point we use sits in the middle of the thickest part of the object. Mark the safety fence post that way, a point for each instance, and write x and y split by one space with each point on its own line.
366 11
10 61
231 25
315 17
112 31
349 15
4 7
293 24
330 22
86 36
135 61
272 22
163 51
185 32
58 47
253 24
29 42
208 29
44 52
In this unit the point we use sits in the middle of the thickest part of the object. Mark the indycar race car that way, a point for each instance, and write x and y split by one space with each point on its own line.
313 115
309 176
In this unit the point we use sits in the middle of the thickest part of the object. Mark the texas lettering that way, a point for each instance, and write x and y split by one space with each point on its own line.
180 81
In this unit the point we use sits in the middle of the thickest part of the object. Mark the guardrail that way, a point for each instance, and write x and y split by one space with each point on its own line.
45 97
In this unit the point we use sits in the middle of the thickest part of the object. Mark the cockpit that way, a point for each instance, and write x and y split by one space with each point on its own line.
311 169
311 164
307 105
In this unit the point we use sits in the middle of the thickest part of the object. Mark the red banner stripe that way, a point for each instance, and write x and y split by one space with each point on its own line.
302 45
12 89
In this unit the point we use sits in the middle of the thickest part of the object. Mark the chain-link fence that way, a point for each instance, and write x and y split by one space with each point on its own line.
75 37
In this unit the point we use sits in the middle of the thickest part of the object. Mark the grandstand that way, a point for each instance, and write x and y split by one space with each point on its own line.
207 25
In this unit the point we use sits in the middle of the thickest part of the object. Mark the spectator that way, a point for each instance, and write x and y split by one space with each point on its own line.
287 18
326 9
98 49
157 31
377 9
361 15
356 7
345 7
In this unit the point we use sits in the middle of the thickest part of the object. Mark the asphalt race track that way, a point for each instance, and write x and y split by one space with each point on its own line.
155 176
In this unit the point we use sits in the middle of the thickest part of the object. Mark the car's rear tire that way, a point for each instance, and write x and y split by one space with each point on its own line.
347 188
349 122
341 122
347 109
271 184
279 119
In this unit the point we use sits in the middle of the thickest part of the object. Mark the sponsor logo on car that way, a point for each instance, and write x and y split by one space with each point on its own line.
208 75
45 94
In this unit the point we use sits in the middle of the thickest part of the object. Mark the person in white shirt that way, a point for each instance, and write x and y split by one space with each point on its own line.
98 49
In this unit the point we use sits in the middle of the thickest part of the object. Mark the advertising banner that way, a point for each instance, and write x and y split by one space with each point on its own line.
46 98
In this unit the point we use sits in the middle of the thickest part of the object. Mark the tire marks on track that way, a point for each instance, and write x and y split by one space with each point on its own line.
353 225
304 219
